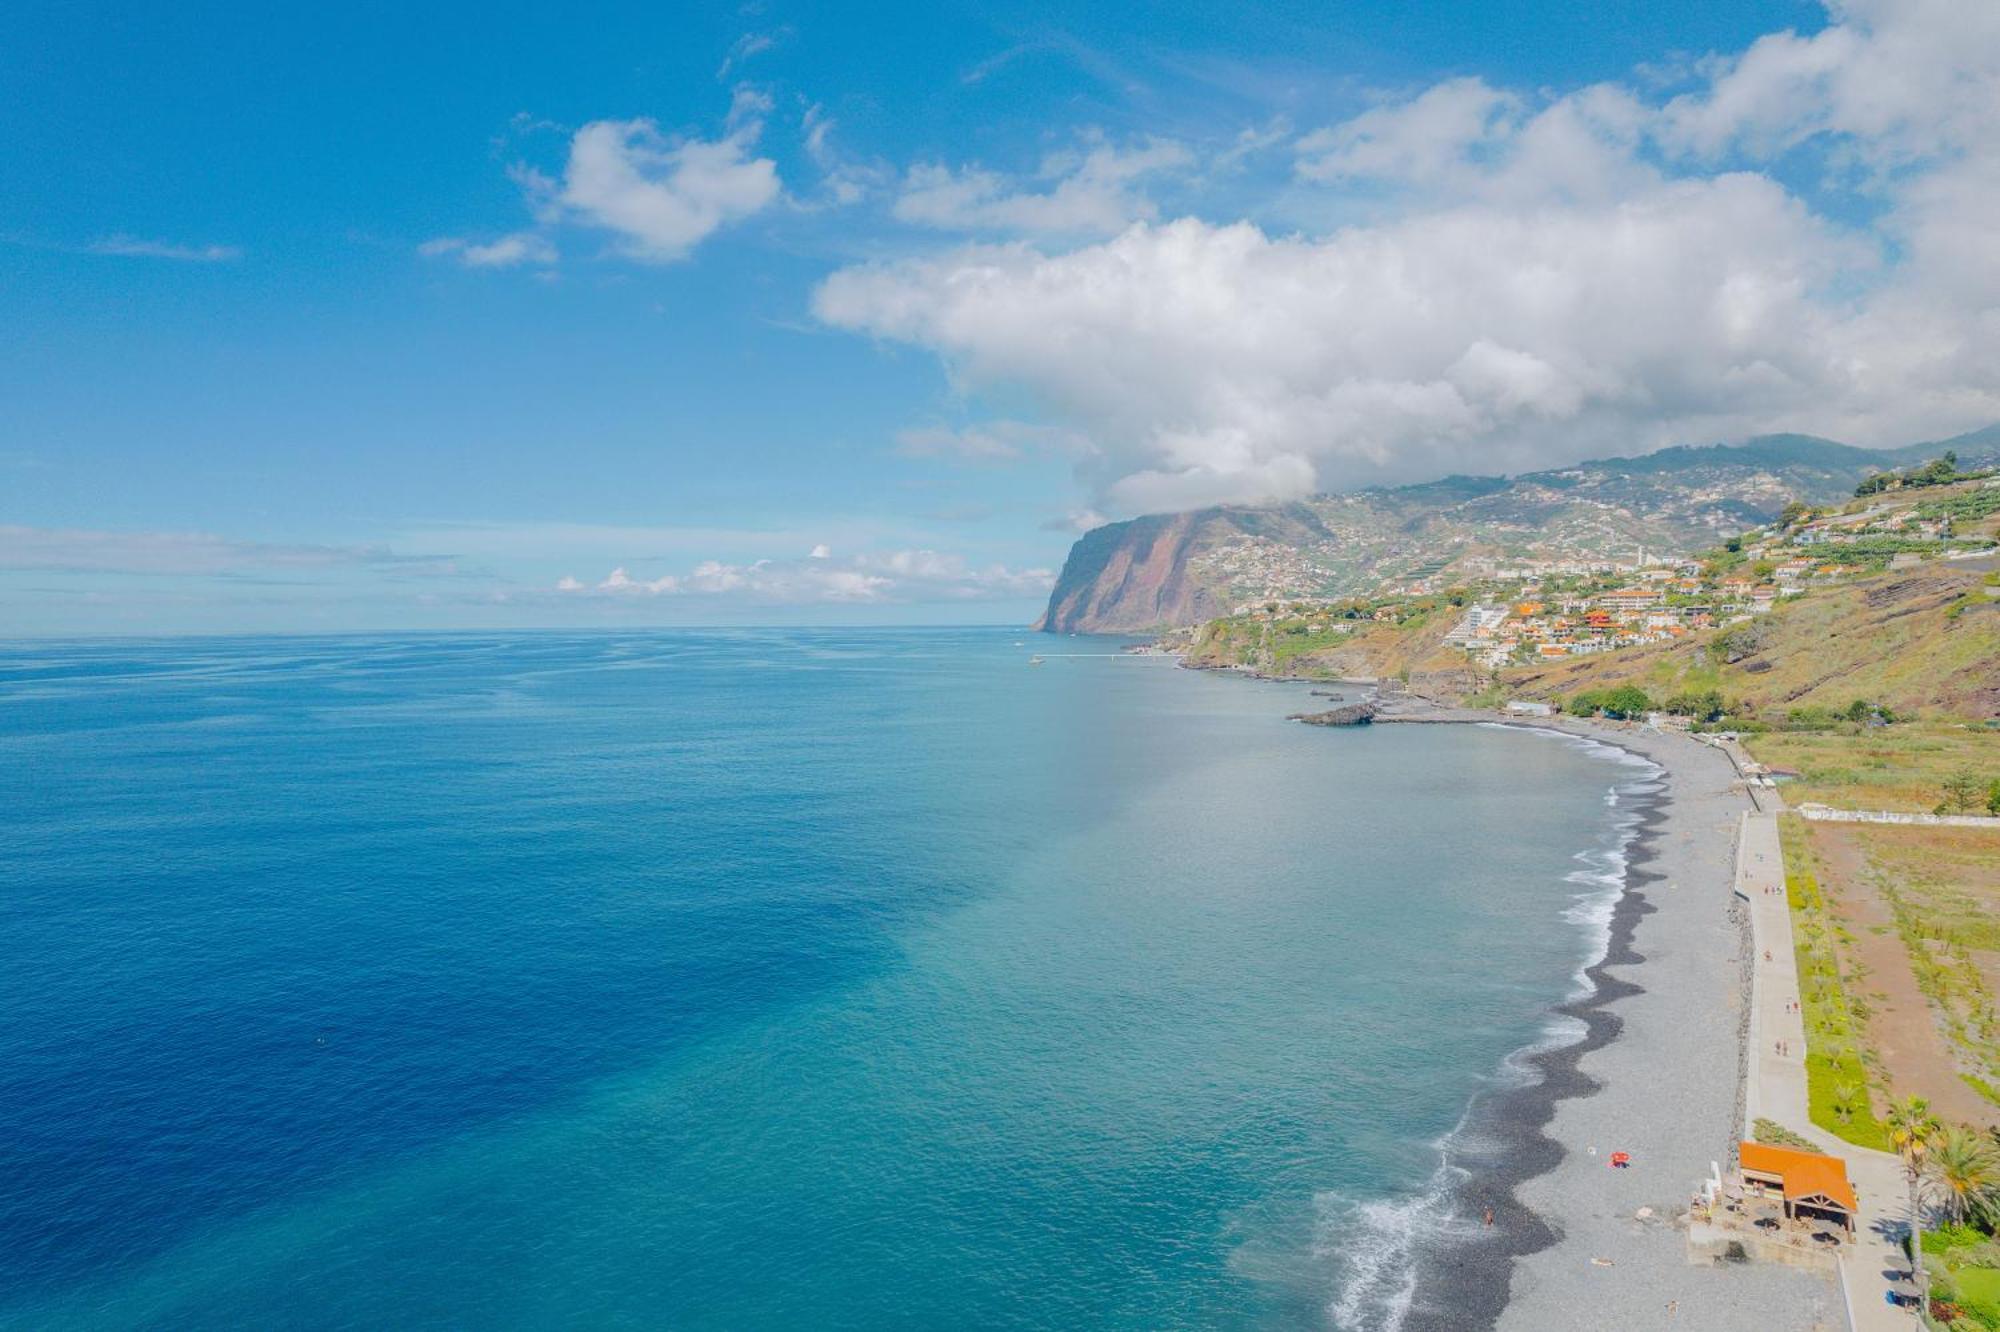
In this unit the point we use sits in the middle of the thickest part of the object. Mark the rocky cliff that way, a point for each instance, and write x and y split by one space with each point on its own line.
1134 577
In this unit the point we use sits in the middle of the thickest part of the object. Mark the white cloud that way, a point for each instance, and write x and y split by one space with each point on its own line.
843 181
1076 522
896 577
1086 193
664 196
1900 81
1211 363
521 247
661 195
1560 276
1251 143
748 45
136 247
80 550
1430 136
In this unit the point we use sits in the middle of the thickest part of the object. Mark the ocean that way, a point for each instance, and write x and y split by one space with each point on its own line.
751 979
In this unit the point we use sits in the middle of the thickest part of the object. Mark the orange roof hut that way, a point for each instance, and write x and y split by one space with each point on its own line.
1808 1181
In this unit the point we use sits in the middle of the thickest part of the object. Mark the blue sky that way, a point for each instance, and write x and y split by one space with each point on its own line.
394 318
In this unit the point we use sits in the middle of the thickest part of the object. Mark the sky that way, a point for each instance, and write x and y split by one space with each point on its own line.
442 317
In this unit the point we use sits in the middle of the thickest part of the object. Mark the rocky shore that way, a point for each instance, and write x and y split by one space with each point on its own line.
1350 714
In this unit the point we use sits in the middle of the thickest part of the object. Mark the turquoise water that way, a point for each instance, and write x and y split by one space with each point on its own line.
747 980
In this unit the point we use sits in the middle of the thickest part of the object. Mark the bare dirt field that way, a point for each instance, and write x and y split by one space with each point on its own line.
1920 916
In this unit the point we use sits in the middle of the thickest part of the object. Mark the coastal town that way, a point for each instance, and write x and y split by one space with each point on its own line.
1509 611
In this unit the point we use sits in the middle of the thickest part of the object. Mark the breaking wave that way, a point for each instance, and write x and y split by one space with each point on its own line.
1377 1243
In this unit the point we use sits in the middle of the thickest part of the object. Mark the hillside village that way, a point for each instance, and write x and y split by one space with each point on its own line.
1507 612
1563 611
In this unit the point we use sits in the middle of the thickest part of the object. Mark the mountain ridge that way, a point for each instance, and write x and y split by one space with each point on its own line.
1164 570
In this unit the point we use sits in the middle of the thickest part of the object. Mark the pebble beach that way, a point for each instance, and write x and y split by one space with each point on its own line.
1575 1243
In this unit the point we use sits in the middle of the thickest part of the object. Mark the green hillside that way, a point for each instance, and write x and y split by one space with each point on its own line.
1923 641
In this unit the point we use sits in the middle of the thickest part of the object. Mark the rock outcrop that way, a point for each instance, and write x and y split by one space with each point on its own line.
1354 714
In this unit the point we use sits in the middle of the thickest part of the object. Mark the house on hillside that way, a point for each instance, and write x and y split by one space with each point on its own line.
1630 599
1791 571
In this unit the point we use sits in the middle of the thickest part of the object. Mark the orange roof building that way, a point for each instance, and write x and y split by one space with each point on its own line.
1807 1180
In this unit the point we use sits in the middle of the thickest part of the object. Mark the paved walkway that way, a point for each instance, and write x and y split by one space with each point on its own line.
1777 1089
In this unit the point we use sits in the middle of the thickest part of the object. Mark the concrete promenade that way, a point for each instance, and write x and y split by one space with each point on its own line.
1777 1088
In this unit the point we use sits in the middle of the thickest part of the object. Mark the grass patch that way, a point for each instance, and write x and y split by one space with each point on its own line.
1979 1291
1901 767
1837 1079
1288 646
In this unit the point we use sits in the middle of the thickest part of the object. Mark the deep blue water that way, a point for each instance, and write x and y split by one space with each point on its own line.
744 980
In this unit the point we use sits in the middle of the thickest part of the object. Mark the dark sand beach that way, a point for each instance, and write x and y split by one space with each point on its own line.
1651 1065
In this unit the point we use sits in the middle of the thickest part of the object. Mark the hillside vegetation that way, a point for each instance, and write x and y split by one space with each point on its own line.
1923 641
1322 645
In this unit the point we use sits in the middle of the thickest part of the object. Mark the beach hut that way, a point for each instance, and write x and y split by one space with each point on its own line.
1811 1184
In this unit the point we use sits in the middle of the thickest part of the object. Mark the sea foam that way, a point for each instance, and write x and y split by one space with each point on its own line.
1377 1242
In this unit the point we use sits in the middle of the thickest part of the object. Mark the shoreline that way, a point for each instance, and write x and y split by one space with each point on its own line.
1658 1068
1469 1280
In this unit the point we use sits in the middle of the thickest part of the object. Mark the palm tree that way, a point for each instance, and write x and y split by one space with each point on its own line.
1911 1127
1963 1172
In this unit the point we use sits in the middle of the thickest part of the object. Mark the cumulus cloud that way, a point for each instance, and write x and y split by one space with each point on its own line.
1564 275
1083 193
662 196
659 194
1212 363
826 578
137 247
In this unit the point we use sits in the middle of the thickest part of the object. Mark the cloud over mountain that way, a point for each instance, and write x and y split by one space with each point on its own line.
1542 278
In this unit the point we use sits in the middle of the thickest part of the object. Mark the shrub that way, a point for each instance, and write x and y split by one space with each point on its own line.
1777 1135
1738 643
1961 792
1621 702
1706 706
1958 1235
1811 718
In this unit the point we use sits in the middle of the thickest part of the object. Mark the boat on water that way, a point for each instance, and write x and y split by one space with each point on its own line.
1034 661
